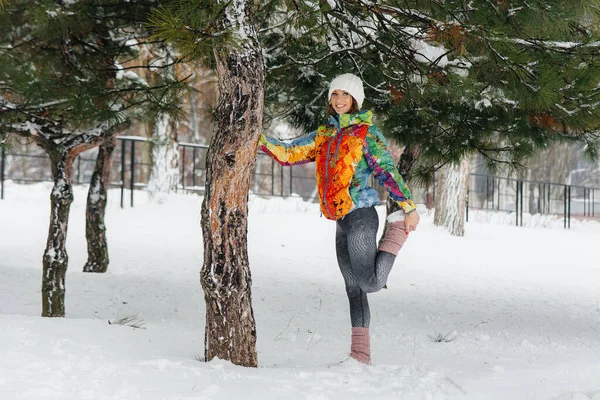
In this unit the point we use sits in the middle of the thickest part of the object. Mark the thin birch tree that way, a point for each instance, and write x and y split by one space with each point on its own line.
164 174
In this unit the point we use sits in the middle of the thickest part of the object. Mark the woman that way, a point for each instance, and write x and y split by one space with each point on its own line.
347 150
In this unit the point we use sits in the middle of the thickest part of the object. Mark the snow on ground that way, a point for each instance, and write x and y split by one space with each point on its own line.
519 307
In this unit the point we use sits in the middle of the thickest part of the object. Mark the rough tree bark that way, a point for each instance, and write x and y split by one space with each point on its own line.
451 197
95 229
55 259
225 276
441 196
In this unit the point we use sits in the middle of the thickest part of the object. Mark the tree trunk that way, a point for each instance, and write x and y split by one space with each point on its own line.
225 276
55 258
194 119
441 197
165 160
451 198
95 230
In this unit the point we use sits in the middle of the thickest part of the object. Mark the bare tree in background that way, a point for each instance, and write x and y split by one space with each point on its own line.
451 197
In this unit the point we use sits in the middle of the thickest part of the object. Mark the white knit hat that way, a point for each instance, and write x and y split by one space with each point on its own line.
349 83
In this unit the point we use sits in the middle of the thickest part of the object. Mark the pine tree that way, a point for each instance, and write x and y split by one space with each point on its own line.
62 86
446 79
223 36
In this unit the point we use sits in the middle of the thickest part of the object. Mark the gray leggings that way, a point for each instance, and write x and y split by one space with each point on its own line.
364 268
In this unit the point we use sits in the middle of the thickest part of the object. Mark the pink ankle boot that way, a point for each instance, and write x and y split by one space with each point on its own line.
394 238
360 349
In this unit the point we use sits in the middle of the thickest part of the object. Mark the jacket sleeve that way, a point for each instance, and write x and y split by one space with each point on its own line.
382 164
297 151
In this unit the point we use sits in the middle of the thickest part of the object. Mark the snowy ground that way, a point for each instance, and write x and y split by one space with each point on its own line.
519 306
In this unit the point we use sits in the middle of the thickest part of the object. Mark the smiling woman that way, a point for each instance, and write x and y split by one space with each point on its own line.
346 95
342 102
348 150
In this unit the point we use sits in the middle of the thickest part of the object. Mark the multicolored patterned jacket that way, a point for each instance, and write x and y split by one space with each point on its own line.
347 151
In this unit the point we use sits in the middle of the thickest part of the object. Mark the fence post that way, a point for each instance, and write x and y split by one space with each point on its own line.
272 177
521 209
487 192
122 172
498 193
183 169
539 210
549 207
281 181
132 167
569 218
291 176
517 204
467 206
194 167
565 207
2 164
545 203
493 196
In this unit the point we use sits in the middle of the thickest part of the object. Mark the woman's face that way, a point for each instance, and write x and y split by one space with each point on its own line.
341 101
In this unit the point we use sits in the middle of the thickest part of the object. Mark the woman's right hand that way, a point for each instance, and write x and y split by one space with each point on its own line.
411 221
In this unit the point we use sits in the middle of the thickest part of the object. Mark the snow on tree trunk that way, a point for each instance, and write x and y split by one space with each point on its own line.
225 276
95 230
451 197
165 160
55 259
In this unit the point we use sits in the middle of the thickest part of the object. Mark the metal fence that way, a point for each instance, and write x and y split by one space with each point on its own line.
131 171
521 196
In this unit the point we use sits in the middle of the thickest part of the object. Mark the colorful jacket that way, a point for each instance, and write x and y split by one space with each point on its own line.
347 151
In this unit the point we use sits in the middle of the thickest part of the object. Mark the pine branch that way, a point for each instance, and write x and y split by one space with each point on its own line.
406 13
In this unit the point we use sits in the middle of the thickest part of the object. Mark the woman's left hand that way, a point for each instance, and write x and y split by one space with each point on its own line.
411 221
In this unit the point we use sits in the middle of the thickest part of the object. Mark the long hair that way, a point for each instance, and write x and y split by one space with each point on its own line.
329 110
